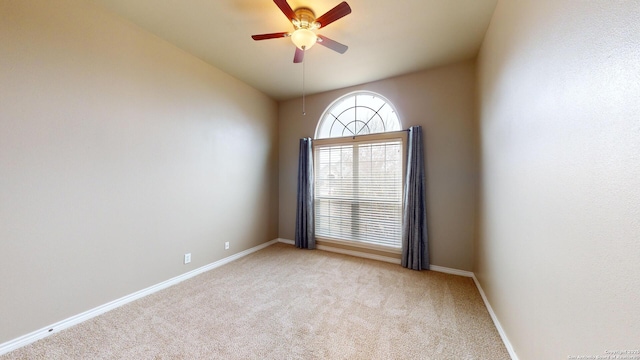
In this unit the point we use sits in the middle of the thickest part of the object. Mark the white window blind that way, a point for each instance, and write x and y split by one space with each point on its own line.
358 191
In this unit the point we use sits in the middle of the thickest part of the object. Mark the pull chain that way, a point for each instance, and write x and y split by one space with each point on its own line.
303 94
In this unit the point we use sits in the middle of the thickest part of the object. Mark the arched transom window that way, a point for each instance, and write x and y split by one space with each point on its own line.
358 113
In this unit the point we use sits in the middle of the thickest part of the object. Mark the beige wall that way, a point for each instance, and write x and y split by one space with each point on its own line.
118 154
442 100
559 247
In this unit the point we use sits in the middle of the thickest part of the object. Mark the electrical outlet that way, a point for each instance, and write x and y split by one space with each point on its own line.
226 245
187 258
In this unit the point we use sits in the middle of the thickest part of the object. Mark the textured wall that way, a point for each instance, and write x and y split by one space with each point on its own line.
442 100
559 246
118 154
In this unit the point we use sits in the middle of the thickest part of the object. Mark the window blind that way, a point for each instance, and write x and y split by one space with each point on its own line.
358 191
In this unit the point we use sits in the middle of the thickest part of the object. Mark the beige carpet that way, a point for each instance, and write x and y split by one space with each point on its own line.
285 303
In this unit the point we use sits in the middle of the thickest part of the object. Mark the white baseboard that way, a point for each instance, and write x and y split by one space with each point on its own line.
496 322
76 319
287 241
451 271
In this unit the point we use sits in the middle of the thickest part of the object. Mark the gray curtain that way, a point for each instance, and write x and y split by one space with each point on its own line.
305 227
415 245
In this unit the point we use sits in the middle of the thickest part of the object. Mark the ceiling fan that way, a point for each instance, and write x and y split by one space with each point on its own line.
305 23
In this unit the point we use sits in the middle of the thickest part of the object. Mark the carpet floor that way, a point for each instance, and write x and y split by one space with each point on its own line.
285 303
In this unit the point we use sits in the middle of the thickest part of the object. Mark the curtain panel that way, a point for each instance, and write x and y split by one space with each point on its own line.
305 226
415 245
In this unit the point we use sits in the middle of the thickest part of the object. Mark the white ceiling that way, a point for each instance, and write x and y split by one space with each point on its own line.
385 38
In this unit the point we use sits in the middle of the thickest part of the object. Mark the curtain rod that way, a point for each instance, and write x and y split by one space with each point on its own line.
354 136
387 132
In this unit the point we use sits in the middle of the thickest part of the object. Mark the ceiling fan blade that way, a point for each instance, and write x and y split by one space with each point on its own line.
286 9
334 14
332 44
299 56
269 36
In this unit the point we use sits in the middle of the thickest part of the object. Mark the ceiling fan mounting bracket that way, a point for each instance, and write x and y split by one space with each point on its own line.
305 19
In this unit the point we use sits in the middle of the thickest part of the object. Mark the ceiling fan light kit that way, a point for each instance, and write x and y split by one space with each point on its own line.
304 39
305 24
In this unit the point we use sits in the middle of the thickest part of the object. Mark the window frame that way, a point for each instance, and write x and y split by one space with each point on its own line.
354 140
342 98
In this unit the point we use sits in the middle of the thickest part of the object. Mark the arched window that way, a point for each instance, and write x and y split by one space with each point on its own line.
359 172
358 113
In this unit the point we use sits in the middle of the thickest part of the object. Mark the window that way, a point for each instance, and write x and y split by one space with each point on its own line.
358 114
359 178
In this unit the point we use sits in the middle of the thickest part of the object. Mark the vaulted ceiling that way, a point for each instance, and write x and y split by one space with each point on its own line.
385 38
